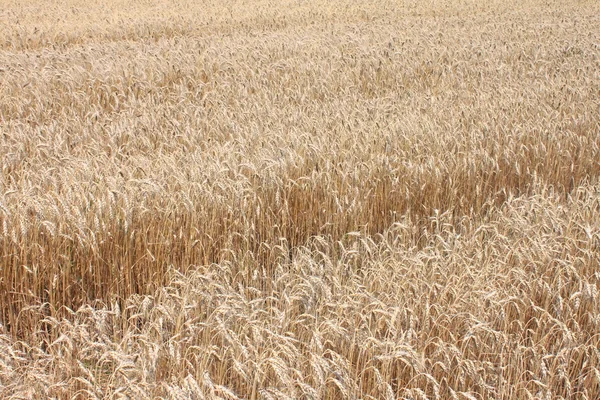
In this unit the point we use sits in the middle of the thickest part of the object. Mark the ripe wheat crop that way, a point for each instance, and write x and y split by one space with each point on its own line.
300 199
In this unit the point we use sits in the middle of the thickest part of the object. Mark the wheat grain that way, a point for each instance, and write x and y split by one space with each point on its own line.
320 199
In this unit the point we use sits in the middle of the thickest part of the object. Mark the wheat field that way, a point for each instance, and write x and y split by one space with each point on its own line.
299 199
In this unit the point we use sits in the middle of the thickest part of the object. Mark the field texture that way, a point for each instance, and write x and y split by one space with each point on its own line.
301 199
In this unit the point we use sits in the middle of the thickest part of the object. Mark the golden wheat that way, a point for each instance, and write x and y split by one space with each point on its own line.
301 199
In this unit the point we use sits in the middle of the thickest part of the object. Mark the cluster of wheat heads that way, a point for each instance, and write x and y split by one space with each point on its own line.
308 199
504 308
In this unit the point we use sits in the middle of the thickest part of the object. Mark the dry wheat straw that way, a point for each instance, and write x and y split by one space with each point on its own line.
302 199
